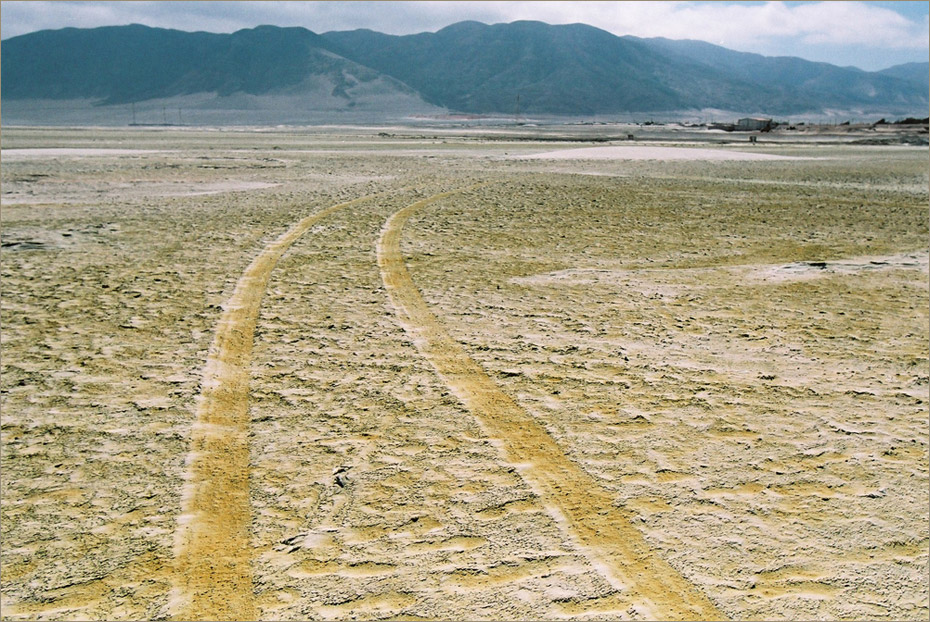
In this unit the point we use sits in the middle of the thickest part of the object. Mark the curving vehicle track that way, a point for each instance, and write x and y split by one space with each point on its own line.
583 508
212 577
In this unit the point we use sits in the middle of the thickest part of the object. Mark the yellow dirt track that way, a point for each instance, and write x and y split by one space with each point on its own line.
582 507
212 576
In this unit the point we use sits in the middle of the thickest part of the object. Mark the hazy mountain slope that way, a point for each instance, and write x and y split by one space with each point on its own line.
794 78
562 69
530 67
918 73
108 63
122 64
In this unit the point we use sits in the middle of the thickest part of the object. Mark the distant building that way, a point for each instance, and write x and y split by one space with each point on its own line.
754 124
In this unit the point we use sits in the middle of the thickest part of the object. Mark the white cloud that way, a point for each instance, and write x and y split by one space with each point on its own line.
843 23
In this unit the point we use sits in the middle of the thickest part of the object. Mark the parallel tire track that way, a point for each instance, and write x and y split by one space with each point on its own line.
584 509
212 570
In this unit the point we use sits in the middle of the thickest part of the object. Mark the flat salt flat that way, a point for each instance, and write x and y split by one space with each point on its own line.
52 152
630 152
143 188
732 354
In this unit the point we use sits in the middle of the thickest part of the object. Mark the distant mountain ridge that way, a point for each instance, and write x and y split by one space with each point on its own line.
121 64
522 67
575 69
820 84
918 73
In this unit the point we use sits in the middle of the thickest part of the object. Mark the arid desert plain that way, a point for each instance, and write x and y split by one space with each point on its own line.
421 374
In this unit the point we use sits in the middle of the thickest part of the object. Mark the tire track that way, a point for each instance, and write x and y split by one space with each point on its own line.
583 509
212 570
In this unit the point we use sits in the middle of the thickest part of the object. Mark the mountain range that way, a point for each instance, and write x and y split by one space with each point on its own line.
469 67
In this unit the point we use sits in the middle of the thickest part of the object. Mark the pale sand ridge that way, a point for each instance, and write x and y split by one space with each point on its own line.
584 509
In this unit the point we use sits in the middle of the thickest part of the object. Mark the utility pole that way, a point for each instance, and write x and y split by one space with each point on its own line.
133 113
516 111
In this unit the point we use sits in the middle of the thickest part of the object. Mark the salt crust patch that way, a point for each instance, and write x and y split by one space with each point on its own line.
651 153
226 186
189 189
804 270
768 273
26 154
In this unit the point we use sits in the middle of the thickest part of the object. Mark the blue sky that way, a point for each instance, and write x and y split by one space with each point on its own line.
869 35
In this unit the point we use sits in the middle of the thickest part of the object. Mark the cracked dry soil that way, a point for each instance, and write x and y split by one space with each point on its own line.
729 355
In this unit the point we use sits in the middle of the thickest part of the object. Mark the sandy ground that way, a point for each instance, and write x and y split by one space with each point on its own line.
652 153
14 155
600 382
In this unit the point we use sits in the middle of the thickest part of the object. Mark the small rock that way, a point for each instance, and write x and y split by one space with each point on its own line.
340 476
